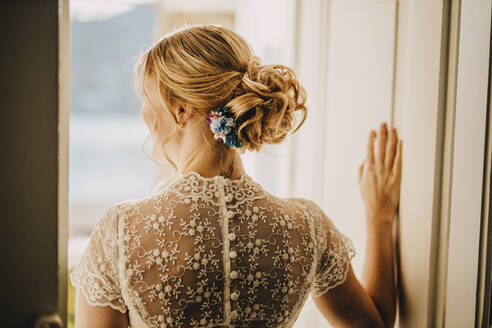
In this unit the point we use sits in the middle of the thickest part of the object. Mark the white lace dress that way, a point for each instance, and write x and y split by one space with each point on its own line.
212 252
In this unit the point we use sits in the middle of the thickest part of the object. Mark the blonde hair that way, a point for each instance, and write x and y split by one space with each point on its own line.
207 66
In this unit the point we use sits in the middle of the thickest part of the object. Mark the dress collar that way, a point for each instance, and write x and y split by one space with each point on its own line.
176 178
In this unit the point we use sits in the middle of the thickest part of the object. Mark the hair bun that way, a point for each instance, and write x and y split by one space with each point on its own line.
264 104
208 66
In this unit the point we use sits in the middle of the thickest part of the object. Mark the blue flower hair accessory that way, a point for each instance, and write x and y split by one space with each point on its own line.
223 126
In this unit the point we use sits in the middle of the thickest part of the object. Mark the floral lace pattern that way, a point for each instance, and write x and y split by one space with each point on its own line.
212 252
96 273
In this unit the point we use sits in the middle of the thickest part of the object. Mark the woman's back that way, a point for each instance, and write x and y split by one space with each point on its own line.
212 252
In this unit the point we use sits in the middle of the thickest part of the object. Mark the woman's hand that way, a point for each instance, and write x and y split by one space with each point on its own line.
380 176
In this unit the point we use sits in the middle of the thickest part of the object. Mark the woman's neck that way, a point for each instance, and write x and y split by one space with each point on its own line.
209 164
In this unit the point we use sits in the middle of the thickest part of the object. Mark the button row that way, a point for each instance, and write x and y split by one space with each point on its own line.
232 236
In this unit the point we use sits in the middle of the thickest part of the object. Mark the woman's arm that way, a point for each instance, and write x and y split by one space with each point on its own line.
372 304
349 305
99 302
378 272
379 182
88 316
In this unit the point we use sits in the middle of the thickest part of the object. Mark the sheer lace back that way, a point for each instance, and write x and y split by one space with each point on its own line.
212 252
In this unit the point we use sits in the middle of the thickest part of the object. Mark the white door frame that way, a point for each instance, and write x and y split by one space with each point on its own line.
465 206
440 99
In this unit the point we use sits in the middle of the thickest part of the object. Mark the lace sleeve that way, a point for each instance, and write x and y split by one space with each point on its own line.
336 252
96 275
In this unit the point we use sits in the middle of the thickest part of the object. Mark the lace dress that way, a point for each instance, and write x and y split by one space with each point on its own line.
212 252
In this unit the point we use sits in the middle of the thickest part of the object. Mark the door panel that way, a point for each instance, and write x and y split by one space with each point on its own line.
419 111
386 62
346 53
32 278
360 74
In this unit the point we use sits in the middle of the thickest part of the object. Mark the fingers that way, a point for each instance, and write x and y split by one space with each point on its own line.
370 148
391 149
382 138
397 164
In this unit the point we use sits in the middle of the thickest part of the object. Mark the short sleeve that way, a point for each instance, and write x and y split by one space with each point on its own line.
96 275
335 252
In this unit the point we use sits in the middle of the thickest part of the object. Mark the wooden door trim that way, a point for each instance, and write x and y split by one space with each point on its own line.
63 151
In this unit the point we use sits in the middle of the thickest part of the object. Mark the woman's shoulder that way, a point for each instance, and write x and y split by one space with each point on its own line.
134 207
313 210
309 205
153 204
300 200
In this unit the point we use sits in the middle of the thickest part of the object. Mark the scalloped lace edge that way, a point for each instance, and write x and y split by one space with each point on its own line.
79 287
320 292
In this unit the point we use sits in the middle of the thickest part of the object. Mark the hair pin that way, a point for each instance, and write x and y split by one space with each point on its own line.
223 126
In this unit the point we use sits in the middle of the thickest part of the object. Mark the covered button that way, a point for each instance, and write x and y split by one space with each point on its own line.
235 296
232 236
233 274
234 314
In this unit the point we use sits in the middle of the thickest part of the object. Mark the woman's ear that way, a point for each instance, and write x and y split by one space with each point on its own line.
184 112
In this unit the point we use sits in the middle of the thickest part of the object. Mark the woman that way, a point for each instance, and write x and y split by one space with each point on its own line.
211 247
